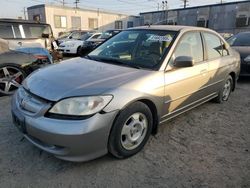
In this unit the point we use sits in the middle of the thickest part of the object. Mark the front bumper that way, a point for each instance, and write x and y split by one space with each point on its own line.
72 140
67 50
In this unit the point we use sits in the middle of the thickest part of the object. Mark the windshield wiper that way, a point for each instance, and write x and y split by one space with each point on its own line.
116 61
113 61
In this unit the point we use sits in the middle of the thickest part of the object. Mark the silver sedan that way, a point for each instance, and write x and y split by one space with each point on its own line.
113 99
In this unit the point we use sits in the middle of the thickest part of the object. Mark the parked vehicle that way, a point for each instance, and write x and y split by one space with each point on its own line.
72 35
22 33
91 44
114 98
28 34
74 46
241 43
226 35
16 65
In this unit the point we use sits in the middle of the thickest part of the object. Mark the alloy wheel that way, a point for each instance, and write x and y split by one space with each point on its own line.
10 79
226 90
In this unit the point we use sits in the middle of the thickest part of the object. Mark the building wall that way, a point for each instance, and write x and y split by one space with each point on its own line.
105 21
40 11
221 18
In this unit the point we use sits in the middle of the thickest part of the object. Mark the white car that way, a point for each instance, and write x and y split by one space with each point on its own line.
74 46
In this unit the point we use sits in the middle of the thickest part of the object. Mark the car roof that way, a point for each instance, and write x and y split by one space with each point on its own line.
170 28
9 20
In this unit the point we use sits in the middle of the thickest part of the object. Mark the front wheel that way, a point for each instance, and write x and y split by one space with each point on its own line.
130 131
225 91
11 77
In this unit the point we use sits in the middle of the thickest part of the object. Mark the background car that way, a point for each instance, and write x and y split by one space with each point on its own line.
74 46
92 43
72 35
16 65
28 34
241 43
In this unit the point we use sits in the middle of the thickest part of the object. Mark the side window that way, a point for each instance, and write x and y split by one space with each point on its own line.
96 36
6 31
214 46
190 45
76 35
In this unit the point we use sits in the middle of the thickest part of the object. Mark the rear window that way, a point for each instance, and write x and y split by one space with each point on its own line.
22 30
6 31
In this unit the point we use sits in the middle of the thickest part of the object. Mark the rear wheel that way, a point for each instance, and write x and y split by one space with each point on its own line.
11 77
131 130
78 51
225 91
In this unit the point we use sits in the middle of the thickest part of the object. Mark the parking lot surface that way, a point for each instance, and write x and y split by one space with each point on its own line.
206 147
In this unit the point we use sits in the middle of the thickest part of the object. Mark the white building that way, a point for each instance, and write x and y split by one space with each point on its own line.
62 18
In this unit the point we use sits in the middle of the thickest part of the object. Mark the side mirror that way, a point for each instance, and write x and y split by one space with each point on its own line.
46 36
183 61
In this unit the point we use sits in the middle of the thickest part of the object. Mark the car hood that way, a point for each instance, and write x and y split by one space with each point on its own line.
79 77
243 50
75 42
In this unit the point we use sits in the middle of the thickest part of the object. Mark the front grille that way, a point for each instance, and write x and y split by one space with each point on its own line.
29 102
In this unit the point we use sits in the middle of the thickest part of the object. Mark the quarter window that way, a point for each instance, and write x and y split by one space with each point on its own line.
190 45
214 46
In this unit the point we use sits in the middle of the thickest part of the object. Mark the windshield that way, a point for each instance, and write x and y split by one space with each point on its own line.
64 35
241 39
140 48
105 35
85 36
36 30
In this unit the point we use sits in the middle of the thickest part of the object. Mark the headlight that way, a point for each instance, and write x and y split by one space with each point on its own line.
247 59
81 106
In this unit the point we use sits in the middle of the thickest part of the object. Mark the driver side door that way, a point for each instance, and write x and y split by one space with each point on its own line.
184 87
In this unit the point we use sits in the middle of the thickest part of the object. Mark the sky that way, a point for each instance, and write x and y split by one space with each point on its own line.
15 8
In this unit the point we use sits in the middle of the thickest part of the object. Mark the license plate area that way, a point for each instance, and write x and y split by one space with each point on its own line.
19 121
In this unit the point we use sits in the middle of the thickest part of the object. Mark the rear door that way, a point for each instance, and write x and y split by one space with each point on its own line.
184 87
218 59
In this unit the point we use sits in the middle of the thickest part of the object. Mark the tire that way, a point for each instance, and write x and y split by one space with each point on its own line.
225 91
131 130
78 51
11 77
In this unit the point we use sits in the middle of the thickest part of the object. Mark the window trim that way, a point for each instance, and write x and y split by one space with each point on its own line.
206 51
94 19
178 42
117 23
61 22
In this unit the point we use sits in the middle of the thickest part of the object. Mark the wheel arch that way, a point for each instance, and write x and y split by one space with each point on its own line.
152 106
154 112
233 75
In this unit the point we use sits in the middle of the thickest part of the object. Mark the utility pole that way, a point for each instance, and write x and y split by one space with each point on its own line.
164 5
24 12
185 3
77 2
